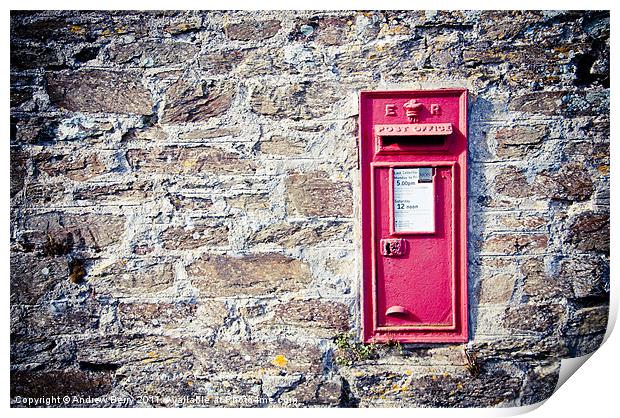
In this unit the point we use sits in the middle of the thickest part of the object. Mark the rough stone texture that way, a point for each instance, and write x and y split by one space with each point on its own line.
541 382
155 315
518 141
511 182
451 388
79 168
539 284
534 318
302 100
177 238
588 320
151 54
590 232
57 233
510 244
196 101
33 277
19 159
292 234
314 194
586 277
251 29
73 318
134 277
323 30
61 383
185 203
260 274
497 289
572 182
97 91
279 145
313 313
176 160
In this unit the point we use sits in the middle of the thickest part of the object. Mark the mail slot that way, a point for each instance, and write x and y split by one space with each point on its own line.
413 163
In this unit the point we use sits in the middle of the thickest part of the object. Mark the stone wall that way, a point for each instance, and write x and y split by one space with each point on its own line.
184 204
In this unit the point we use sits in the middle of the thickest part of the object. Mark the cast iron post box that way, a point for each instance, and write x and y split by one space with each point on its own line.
413 163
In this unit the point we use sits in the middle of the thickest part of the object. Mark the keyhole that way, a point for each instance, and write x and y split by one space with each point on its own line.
387 248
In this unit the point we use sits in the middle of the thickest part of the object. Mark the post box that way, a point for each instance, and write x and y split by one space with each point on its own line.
413 164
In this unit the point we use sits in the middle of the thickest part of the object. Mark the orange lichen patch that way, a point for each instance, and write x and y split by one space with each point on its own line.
280 360
77 29
408 372
603 169
565 49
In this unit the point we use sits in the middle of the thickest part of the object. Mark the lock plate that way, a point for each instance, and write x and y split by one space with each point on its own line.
393 247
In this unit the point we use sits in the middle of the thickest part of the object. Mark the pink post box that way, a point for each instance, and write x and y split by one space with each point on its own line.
413 154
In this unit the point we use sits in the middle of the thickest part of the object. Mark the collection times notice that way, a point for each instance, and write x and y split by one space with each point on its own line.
414 200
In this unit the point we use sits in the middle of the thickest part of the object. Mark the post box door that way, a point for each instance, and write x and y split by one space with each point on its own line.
414 256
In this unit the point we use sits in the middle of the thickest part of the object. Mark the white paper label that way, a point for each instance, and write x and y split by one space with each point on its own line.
414 200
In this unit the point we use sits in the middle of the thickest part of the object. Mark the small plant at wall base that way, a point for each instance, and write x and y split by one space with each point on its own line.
350 351
396 345
472 363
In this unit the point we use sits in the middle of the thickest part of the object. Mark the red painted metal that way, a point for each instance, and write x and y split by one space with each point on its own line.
414 286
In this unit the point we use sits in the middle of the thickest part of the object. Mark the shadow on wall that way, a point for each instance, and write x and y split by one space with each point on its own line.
480 109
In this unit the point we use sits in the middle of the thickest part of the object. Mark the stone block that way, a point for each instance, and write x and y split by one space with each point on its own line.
313 313
515 243
32 276
297 101
252 30
73 165
534 318
497 289
248 275
99 91
19 161
585 276
149 316
181 238
152 54
196 101
294 234
131 277
589 232
57 233
195 160
315 194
